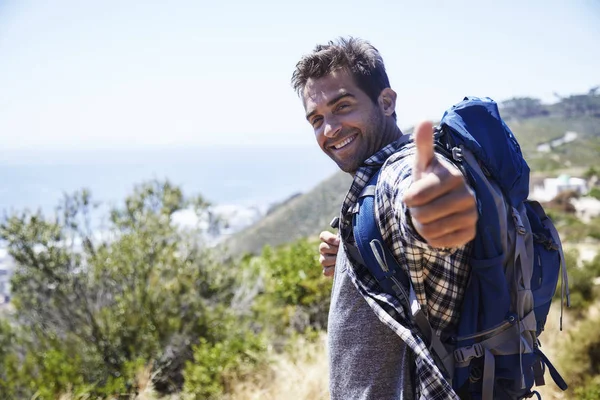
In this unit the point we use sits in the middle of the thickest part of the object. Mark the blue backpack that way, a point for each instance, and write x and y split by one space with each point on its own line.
516 262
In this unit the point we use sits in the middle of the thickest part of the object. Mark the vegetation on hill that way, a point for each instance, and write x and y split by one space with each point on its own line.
577 105
302 216
90 315
535 123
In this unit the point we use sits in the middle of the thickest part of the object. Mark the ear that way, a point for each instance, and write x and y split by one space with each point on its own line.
387 101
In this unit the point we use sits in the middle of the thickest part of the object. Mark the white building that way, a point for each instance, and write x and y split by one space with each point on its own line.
551 187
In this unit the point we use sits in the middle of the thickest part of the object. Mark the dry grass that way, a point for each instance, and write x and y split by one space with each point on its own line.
553 341
303 374
144 383
300 374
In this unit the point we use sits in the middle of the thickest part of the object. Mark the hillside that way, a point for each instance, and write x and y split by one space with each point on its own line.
533 123
300 216
533 132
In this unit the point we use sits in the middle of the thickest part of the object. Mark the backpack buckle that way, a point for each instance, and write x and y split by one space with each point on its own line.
467 353
335 223
457 154
518 222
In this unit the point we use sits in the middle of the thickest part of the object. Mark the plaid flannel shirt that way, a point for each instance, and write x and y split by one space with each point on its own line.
439 276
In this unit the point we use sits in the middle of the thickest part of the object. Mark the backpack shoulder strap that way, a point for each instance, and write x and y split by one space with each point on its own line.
393 278
376 256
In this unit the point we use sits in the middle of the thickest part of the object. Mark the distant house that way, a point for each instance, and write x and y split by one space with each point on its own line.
551 187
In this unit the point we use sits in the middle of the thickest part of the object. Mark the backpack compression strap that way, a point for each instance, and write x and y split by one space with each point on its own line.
564 280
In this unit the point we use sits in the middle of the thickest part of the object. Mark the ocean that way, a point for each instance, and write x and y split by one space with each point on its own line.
242 176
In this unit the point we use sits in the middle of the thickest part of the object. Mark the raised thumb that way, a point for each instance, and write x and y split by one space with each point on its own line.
424 156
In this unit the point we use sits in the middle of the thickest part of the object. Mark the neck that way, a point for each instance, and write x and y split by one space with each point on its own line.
391 132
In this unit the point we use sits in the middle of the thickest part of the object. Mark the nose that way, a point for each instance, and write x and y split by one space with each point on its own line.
332 127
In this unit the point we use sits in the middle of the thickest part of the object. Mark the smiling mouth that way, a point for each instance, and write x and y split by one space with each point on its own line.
344 143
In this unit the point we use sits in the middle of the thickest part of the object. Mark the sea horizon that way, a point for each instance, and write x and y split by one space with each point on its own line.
224 175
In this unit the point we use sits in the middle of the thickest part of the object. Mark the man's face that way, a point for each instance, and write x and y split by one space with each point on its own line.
347 123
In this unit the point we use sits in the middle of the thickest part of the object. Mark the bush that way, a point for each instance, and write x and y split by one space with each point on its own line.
590 391
579 357
571 228
90 313
595 193
583 290
296 296
217 365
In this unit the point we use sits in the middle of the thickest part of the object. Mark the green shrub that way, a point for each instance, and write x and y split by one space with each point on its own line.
595 193
594 228
582 286
579 360
296 295
95 315
216 364
589 391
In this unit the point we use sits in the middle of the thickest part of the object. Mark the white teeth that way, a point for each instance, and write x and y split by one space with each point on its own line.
345 142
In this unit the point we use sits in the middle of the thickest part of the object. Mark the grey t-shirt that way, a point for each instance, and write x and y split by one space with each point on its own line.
367 360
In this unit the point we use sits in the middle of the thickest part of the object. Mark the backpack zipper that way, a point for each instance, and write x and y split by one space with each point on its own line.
489 332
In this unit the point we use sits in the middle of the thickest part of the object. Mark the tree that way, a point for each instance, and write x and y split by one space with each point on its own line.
579 105
522 108
144 293
591 174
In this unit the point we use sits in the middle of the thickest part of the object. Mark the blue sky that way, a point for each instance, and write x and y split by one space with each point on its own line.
132 74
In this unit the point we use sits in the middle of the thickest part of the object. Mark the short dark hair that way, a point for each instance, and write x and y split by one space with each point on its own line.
357 56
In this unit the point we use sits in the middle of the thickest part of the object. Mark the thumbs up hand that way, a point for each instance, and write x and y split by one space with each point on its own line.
441 204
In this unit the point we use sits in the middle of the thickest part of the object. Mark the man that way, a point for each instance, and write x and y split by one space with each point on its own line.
426 213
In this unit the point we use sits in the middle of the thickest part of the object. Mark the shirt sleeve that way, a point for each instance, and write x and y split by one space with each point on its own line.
439 276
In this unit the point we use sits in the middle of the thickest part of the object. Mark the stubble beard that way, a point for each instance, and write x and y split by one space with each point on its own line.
372 137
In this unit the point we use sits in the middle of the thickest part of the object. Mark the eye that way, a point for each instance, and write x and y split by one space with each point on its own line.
342 107
316 122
